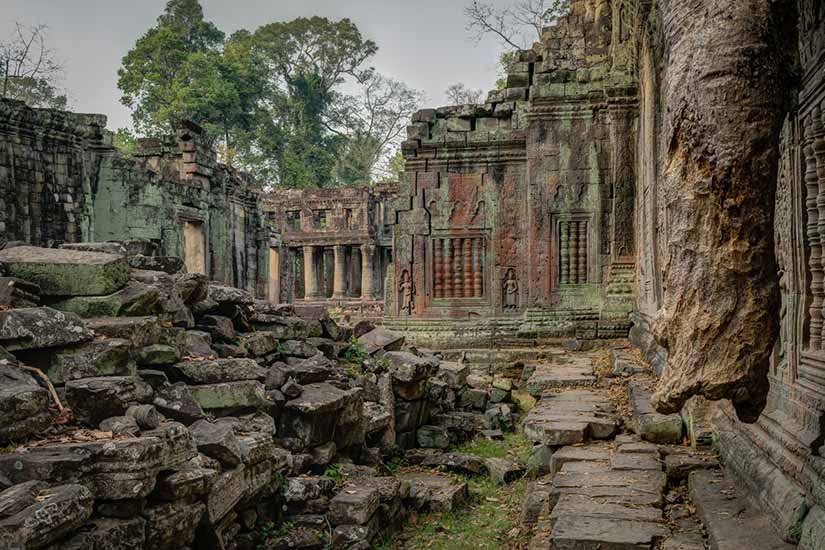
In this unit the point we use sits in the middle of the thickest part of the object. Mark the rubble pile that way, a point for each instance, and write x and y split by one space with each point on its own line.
145 407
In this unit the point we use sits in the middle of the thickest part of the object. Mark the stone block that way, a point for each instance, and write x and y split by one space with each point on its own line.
141 331
41 327
217 441
167 264
433 437
216 371
651 425
456 462
229 295
177 402
230 395
156 355
503 471
19 497
93 400
24 404
258 344
312 417
454 374
132 300
434 492
108 534
61 272
57 512
355 504
297 348
172 526
381 339
225 494
105 357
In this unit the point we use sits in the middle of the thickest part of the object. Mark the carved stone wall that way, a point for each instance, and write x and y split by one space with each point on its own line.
62 181
521 211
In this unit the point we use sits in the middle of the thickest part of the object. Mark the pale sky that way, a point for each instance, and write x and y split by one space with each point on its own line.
421 42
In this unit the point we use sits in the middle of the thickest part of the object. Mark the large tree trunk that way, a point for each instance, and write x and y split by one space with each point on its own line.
728 64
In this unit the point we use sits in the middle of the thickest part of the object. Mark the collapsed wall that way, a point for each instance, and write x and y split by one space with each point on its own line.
62 181
151 408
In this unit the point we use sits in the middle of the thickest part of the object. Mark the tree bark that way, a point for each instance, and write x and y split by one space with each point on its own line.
727 79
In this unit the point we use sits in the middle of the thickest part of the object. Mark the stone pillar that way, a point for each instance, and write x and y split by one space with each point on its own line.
339 283
310 275
367 252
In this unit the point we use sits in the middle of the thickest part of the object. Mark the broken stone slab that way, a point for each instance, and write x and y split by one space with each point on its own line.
652 426
434 492
24 404
229 295
731 523
570 417
599 454
57 512
167 264
298 348
227 491
381 339
433 437
93 400
582 505
110 247
578 373
355 504
40 327
259 344
106 533
156 355
61 272
217 441
16 293
635 461
572 532
678 466
256 448
229 396
456 462
216 371
407 367
176 402
503 471
19 497
195 343
190 480
172 526
191 287
454 374
103 357
121 425
307 371
141 331
220 328
134 299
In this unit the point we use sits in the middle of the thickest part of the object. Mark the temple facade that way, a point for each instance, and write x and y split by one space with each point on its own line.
335 246
517 219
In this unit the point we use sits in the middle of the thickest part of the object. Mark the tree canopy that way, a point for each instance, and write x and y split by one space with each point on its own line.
272 99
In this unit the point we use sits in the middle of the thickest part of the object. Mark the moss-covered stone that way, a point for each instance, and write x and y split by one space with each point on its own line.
134 300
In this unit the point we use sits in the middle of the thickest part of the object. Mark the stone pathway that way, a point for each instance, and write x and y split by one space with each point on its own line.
562 371
570 417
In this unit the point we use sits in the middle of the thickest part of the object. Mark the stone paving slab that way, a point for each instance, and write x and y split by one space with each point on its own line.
563 372
730 521
570 417
604 533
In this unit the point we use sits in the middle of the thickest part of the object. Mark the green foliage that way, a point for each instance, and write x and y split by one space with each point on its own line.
356 353
334 472
514 446
125 141
269 530
271 99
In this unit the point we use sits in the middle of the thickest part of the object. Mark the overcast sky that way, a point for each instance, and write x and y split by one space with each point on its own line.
421 42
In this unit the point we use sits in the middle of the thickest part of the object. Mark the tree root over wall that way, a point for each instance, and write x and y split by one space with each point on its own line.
728 65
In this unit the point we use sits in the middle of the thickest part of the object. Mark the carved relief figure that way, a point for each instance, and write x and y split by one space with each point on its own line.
406 289
510 290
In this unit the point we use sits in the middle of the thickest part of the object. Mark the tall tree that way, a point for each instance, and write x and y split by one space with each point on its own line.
30 71
164 63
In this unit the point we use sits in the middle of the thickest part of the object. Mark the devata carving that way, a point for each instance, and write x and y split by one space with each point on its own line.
407 292
721 302
510 290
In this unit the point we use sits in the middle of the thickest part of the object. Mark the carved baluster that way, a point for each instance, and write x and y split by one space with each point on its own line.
574 253
819 155
458 276
438 269
478 267
564 254
468 268
447 268
815 260
582 252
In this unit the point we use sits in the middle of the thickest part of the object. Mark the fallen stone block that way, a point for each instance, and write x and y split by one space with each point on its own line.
381 339
57 512
93 400
434 492
40 327
16 293
456 462
61 272
298 348
141 331
503 471
433 437
229 295
312 417
134 299
217 441
172 526
167 264
230 396
652 426
216 371
454 374
259 344
24 404
110 247
355 504
176 402
225 494
19 497
121 425
190 480
104 357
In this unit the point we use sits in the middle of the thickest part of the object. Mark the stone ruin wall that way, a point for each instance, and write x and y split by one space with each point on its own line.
518 214
62 181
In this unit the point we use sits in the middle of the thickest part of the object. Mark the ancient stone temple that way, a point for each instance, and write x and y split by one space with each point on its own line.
336 246
518 215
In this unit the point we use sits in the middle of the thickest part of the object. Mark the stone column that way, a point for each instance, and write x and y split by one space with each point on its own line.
339 285
367 252
310 274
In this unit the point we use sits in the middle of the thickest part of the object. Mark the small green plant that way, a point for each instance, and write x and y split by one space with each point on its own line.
270 531
356 353
333 471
